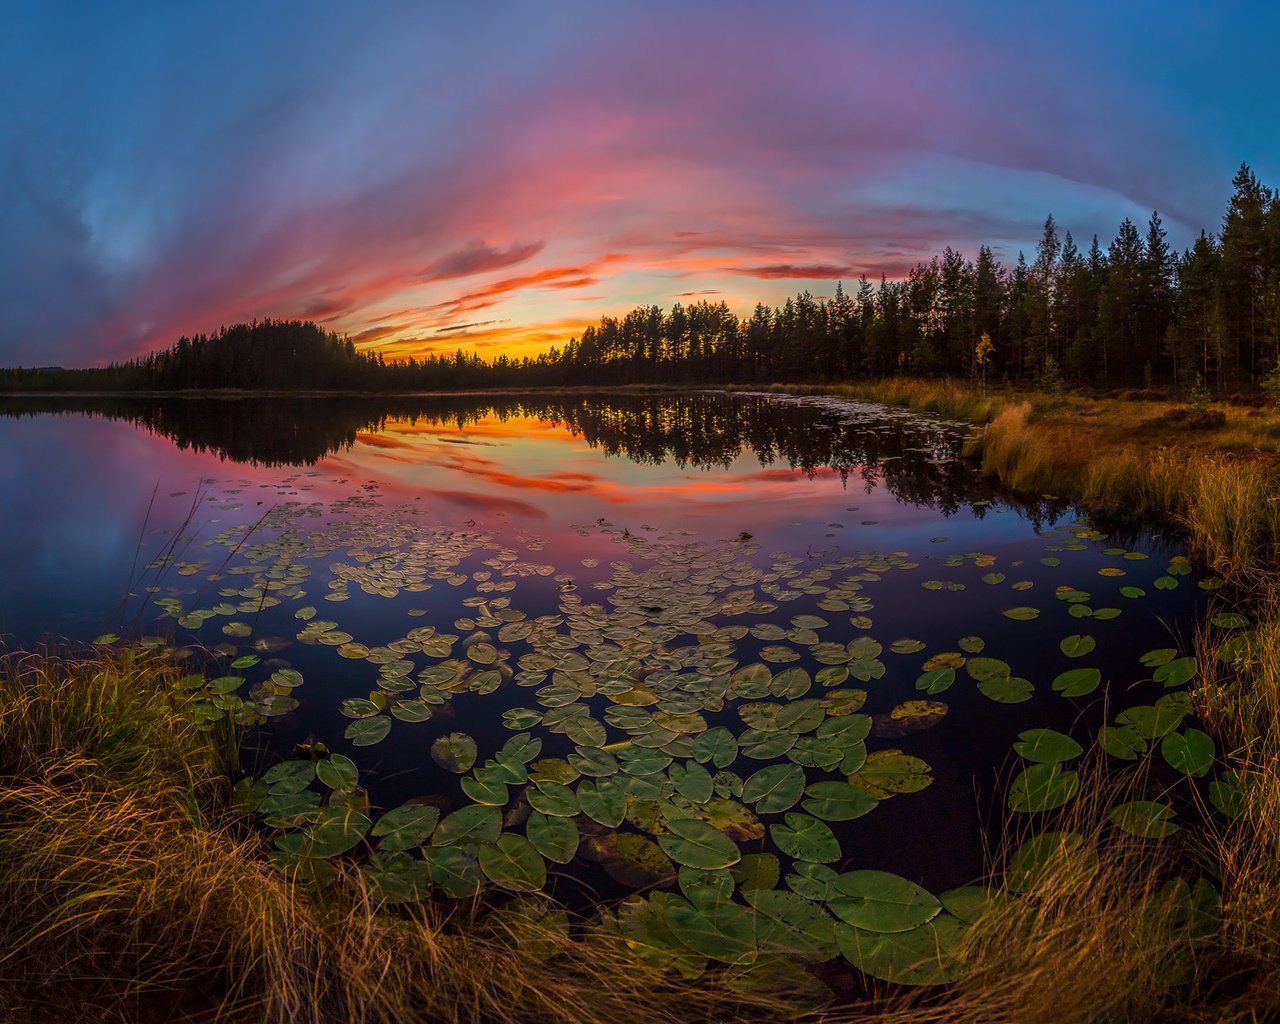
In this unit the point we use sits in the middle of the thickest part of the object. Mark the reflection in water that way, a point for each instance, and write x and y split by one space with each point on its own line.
913 458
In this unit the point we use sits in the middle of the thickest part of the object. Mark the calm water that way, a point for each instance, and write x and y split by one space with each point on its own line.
604 572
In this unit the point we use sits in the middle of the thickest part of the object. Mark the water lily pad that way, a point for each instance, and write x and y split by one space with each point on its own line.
921 956
880 901
455 871
696 844
774 788
1045 856
1042 787
907 646
936 680
603 800
756 871
1006 689
338 772
1046 746
365 732
553 798
455 752
1021 614
724 932
1077 645
475 824
887 772
1146 818
806 838
406 826
1077 682
554 838
844 801
1190 752
1176 672
717 746
1230 620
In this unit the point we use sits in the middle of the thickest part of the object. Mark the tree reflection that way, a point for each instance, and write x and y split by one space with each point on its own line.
913 459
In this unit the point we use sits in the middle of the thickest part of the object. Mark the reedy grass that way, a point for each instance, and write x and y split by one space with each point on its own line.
133 893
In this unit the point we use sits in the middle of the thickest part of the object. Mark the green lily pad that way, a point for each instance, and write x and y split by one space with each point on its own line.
756 871
936 680
1006 689
473 825
774 788
1021 614
844 801
455 752
1042 787
454 871
696 844
514 864
806 839
1176 672
554 838
724 932
603 800
1047 746
922 956
887 772
1043 856
1077 645
1076 682
880 901
553 798
338 772
1190 752
1146 818
365 732
405 827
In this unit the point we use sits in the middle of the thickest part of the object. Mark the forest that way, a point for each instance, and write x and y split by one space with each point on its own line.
1133 313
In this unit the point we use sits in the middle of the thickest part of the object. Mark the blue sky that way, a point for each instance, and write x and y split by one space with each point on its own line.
424 176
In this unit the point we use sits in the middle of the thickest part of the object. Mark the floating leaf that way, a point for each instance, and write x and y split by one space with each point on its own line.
1190 752
513 863
1022 614
1006 689
843 801
921 956
555 838
1077 682
936 680
756 871
338 772
891 771
698 845
365 732
1177 672
406 826
475 824
1227 794
806 839
1077 645
603 800
553 798
1046 746
1230 620
724 932
1043 856
774 788
880 901
1146 818
1042 787
906 646
455 752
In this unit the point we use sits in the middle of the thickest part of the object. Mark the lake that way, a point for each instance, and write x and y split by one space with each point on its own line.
689 645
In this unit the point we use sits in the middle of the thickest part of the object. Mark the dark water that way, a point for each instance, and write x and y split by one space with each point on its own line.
595 545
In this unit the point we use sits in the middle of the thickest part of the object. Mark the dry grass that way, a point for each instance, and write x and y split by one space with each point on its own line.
131 894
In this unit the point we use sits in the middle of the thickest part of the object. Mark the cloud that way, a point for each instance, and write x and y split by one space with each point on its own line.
479 259
802 271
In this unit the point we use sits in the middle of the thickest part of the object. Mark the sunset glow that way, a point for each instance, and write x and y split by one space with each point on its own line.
425 180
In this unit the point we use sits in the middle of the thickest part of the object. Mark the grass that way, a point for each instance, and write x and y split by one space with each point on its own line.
133 893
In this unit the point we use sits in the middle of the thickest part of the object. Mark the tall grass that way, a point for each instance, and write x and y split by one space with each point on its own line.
131 893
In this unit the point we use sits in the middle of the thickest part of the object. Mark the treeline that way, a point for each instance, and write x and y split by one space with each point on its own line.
1134 312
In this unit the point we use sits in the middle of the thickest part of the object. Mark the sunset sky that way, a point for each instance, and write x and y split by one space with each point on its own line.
427 176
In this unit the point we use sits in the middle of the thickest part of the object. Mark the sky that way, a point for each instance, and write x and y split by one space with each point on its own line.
428 176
